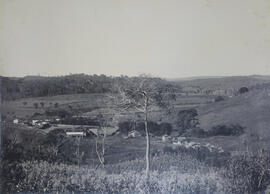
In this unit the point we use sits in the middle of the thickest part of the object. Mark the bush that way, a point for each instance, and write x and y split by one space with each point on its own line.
187 119
165 128
219 99
35 105
54 137
225 130
125 127
42 104
195 132
243 90
56 105
153 127
69 120
248 174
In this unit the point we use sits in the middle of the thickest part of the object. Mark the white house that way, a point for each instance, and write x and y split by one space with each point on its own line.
16 121
76 133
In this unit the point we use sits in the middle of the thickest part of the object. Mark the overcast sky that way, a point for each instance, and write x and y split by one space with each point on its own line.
167 38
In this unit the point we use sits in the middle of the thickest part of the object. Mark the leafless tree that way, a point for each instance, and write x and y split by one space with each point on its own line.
145 94
105 121
78 153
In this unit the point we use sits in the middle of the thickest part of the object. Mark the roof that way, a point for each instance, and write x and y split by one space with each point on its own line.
79 133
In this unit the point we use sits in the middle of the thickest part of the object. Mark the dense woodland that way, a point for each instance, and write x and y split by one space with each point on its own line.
36 86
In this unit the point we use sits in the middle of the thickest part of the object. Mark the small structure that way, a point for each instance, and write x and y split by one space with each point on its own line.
76 133
16 121
134 133
166 138
34 122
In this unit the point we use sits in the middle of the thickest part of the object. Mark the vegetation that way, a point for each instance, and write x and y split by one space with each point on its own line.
34 86
190 177
154 128
209 159
219 99
187 119
243 90
226 130
143 95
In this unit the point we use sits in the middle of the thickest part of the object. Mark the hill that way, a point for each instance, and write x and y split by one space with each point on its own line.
225 83
250 110
37 86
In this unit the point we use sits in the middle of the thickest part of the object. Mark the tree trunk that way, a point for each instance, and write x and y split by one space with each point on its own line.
147 151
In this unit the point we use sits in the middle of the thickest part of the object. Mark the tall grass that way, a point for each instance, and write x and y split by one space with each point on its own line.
170 174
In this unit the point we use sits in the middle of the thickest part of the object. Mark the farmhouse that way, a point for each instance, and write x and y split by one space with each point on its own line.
76 133
16 121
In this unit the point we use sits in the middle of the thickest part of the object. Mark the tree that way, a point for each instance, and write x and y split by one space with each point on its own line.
144 94
243 90
56 105
105 121
100 139
78 154
187 119
42 104
36 105
219 99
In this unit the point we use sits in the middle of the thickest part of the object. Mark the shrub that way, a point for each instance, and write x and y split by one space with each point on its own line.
58 112
125 127
35 105
243 90
153 127
225 130
195 132
42 104
55 136
219 99
56 105
248 174
187 119
165 128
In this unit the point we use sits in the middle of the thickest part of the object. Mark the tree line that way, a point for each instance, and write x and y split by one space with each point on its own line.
36 86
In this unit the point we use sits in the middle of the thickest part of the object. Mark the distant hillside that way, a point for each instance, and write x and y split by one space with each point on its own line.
223 82
224 86
250 110
38 86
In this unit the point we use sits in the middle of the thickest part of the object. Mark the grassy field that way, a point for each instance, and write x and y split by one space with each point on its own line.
84 102
250 110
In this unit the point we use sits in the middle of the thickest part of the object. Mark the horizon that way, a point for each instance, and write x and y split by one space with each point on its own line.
169 79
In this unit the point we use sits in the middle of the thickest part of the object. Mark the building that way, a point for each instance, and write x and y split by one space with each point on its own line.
16 121
76 133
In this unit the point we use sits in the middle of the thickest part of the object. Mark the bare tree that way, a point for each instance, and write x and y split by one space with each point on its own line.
79 155
145 94
105 122
100 146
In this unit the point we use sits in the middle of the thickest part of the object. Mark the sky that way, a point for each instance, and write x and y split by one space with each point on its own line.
166 38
